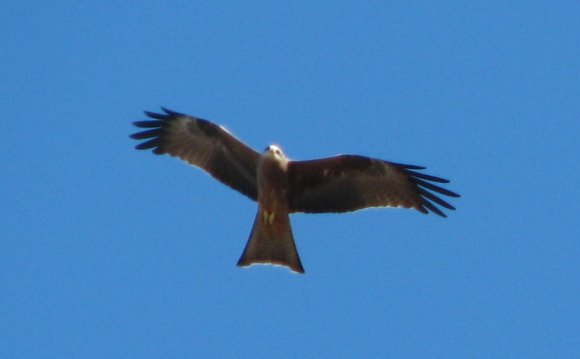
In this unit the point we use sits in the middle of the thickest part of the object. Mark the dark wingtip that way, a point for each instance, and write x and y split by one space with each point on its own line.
433 209
422 209
407 167
432 197
452 194
434 188
424 184
148 144
155 115
171 113
148 124
153 133
153 130
427 177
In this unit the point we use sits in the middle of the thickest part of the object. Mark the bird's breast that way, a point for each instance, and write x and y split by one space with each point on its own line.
272 187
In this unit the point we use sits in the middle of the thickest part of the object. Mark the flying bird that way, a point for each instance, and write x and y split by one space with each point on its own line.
339 184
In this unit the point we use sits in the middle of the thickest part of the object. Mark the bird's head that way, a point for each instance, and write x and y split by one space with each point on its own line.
274 152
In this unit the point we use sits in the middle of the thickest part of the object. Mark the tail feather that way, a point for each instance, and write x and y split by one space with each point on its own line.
271 243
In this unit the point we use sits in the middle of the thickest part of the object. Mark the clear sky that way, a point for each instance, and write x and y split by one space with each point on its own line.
109 252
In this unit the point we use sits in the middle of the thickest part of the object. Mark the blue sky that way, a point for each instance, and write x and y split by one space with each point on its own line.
107 251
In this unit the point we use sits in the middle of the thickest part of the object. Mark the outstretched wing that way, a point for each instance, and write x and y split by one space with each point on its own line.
202 144
348 183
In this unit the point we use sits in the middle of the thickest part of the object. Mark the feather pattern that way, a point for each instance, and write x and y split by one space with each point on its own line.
348 183
202 144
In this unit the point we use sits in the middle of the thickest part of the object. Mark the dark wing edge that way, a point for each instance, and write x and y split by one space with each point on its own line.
348 183
426 189
203 144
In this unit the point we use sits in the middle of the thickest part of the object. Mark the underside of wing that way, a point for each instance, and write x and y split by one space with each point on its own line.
202 144
348 183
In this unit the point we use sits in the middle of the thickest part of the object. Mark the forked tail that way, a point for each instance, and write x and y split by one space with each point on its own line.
271 242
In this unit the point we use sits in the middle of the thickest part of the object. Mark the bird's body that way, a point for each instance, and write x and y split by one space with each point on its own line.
337 184
271 240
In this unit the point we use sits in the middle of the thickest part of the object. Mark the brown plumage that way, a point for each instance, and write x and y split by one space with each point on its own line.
337 184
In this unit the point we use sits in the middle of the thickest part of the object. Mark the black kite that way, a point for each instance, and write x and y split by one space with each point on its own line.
338 184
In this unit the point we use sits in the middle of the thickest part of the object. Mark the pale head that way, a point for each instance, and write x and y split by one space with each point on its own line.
274 152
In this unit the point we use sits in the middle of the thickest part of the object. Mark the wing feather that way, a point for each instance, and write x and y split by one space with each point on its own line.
432 197
348 183
202 144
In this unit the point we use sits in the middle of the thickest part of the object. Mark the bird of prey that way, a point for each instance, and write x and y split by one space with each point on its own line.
280 186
